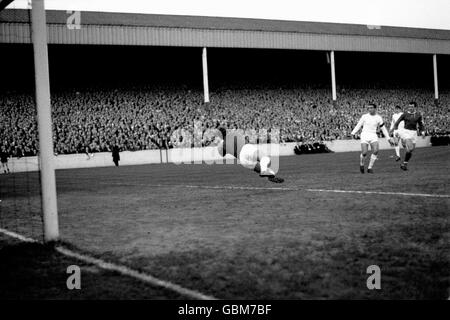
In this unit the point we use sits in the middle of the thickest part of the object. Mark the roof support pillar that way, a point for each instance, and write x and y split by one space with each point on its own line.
435 72
205 76
333 76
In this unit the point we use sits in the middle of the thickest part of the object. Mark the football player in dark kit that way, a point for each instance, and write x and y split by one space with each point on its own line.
413 122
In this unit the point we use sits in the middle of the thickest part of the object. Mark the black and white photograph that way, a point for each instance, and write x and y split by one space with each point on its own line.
249 152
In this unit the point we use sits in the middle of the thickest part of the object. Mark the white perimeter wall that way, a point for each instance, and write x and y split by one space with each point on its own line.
178 156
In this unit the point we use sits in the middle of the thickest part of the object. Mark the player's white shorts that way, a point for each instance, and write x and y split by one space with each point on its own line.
406 134
248 157
369 138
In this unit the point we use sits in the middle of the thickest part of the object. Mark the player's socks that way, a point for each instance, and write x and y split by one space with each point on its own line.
397 152
404 165
362 159
373 158
267 173
408 156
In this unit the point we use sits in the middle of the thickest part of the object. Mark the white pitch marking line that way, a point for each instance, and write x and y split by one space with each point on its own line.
204 186
16 236
117 268
429 195
134 274
235 187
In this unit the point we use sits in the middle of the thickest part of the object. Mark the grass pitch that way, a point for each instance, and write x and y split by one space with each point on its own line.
199 227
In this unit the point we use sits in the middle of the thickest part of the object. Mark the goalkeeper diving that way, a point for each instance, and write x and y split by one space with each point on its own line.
237 145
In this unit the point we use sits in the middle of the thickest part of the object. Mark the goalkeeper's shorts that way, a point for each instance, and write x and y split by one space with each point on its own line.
248 157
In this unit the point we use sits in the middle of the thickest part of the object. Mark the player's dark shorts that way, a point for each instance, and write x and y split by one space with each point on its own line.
4 159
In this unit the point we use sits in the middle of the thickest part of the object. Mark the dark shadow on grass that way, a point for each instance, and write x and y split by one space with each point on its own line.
36 271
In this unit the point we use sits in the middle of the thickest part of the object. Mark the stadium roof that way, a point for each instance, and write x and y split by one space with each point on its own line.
4 4
197 22
236 32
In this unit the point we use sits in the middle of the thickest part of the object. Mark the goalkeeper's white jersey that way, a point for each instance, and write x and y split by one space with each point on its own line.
369 124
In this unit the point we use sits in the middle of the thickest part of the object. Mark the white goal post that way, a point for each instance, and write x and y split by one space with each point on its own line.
46 160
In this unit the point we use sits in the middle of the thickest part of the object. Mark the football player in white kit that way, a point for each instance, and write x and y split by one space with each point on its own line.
370 122
248 154
396 136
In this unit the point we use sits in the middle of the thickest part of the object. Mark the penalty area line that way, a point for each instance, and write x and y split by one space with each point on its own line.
430 195
231 187
126 271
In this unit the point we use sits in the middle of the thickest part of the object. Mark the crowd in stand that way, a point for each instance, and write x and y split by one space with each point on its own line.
95 120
